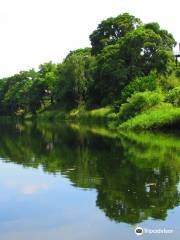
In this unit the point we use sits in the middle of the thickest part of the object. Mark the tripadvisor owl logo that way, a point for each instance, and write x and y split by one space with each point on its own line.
138 231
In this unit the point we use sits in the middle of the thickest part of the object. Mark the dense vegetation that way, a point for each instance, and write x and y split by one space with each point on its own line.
130 68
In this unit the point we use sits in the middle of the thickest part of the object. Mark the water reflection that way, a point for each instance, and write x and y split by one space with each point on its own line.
135 175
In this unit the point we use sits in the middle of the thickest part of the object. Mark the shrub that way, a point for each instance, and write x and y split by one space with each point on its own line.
169 82
139 102
141 84
174 96
178 73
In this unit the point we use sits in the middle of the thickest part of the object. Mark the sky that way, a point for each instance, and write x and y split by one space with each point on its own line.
33 32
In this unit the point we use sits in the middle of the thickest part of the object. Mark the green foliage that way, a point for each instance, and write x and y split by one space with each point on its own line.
100 114
139 102
112 29
140 84
16 97
24 92
73 78
16 91
174 96
81 114
169 82
178 73
36 94
162 116
53 115
135 55
3 86
130 172
48 72
167 38
127 58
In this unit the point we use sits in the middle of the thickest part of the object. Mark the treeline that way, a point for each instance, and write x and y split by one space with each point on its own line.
126 57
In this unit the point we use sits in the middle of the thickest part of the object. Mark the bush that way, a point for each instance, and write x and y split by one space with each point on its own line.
169 82
174 96
139 102
178 73
141 84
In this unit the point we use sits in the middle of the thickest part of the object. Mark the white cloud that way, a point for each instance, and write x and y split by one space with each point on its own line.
31 189
36 31
26 188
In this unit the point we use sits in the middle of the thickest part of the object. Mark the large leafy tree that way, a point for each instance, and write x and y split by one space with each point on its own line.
16 98
167 38
112 29
15 91
123 49
136 54
23 92
73 78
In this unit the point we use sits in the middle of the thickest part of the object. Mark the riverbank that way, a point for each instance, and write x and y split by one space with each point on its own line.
99 115
163 116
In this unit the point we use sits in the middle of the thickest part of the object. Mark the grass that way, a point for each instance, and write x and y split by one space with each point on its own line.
100 114
53 115
159 117
163 116
79 114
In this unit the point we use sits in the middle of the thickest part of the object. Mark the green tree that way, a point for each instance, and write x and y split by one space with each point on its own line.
73 78
48 72
16 98
16 89
112 29
2 93
167 38
139 84
135 55
36 94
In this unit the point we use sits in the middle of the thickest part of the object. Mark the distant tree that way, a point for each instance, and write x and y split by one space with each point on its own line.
36 94
48 72
16 98
16 91
2 93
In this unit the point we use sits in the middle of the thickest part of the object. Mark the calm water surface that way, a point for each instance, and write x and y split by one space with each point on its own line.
75 182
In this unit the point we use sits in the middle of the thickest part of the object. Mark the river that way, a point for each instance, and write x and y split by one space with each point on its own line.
75 182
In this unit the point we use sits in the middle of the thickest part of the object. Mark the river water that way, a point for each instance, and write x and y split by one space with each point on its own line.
75 182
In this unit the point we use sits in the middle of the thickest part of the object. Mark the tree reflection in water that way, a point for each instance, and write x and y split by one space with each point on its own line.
135 175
